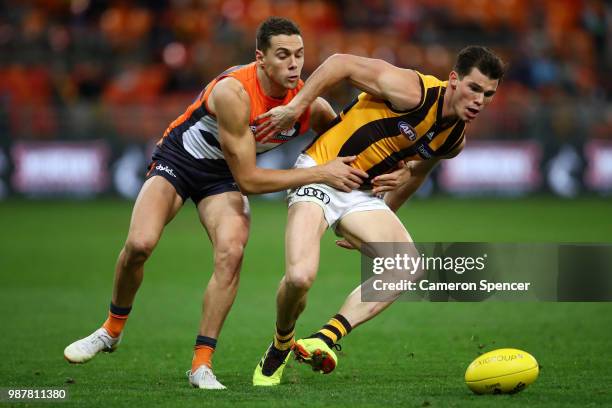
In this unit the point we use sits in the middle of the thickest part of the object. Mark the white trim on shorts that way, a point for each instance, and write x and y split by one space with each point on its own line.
336 204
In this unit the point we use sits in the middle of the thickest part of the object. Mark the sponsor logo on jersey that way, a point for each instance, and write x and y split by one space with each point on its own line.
167 169
423 152
313 192
407 130
430 135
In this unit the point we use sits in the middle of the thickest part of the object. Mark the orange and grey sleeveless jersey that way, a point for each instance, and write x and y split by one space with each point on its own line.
196 133
379 135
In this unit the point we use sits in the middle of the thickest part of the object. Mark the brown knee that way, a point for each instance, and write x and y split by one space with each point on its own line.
300 276
138 250
228 259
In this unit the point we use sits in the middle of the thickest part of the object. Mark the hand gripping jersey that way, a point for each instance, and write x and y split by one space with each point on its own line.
196 134
380 136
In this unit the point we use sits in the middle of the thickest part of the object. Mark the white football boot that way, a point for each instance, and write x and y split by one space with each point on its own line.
81 351
204 378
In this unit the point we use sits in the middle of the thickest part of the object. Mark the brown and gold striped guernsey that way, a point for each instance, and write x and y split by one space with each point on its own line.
379 135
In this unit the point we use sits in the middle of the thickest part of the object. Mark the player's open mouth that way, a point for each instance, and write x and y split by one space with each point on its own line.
472 112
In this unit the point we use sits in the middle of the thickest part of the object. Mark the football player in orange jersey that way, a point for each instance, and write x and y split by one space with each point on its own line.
402 115
208 154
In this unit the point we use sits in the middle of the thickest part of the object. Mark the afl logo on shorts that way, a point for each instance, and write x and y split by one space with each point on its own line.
313 192
407 130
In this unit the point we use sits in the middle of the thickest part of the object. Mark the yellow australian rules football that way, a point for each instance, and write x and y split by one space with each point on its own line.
502 371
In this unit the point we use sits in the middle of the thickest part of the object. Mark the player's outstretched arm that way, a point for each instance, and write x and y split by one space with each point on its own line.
399 86
407 184
231 104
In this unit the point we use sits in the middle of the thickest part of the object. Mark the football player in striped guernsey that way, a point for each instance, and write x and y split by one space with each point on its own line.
401 116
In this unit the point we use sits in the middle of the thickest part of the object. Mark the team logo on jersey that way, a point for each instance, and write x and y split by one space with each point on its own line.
286 135
313 192
430 135
407 130
283 136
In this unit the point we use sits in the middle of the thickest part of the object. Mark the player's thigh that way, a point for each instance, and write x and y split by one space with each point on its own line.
380 226
372 226
156 205
305 226
226 217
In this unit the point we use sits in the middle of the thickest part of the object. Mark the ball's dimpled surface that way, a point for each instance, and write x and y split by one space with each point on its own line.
502 371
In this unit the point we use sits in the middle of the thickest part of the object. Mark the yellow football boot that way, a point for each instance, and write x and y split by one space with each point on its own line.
316 353
270 369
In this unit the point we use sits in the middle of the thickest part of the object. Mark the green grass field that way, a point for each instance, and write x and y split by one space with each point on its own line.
56 267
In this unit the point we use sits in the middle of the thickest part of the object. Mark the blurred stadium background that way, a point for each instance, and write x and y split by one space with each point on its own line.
87 87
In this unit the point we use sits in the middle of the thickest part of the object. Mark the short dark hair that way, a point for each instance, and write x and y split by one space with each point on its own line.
476 56
274 26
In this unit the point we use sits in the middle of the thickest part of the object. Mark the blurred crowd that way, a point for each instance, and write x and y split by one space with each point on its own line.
124 69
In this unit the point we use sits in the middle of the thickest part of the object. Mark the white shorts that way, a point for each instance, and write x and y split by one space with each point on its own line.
336 204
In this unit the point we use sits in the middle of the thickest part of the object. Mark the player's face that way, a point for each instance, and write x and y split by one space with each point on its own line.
283 61
472 93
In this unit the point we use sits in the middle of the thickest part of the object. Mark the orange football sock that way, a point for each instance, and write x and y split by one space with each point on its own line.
202 355
114 324
117 316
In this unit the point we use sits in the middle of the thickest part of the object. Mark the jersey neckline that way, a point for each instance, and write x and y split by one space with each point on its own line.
268 98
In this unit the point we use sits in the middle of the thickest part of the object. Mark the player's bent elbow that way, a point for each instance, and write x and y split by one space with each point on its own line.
338 63
336 58
342 60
